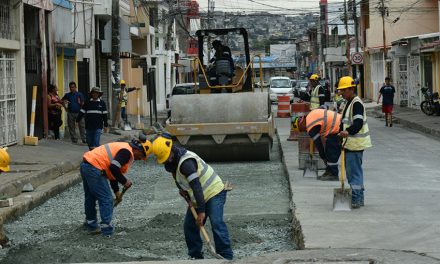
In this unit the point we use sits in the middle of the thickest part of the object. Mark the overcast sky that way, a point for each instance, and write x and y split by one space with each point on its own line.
276 6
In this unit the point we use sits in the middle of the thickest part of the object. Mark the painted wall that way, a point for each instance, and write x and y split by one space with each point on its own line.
417 19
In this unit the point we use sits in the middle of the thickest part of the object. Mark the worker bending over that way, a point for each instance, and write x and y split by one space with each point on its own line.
354 129
105 163
200 185
322 123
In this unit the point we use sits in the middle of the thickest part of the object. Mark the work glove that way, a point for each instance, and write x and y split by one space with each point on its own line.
185 195
200 219
128 184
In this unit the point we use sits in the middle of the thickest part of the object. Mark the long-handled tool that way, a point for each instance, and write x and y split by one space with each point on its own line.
311 165
341 196
206 236
118 201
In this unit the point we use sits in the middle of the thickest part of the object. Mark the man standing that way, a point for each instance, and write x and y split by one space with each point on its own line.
4 160
387 91
317 95
199 184
95 112
354 130
99 166
74 101
321 123
124 99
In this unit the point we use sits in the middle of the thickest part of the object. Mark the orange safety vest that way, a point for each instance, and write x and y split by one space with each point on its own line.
102 156
329 121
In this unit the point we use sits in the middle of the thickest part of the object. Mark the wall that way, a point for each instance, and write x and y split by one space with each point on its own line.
421 18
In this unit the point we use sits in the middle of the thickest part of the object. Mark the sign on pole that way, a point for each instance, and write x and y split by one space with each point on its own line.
356 58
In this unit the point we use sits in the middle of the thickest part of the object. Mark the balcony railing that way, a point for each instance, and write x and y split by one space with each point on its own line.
7 27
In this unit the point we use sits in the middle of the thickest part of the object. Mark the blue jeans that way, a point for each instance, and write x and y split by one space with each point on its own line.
214 210
124 114
96 188
332 152
355 175
93 137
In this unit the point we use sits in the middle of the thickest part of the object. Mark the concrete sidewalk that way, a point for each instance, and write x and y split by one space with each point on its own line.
410 118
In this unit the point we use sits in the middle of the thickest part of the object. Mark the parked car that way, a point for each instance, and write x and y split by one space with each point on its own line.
301 87
280 86
180 89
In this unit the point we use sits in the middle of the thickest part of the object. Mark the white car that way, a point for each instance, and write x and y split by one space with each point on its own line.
280 86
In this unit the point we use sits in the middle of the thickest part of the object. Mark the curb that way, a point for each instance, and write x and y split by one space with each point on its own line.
409 124
297 233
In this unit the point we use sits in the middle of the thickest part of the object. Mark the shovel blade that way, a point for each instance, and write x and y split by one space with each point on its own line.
311 169
127 127
341 199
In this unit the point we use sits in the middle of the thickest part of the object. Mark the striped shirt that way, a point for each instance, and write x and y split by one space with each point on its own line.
95 113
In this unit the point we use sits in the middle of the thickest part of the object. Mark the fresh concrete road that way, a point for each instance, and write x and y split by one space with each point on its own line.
402 183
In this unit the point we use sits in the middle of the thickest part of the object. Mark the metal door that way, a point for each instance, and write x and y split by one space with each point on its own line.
402 81
8 98
413 84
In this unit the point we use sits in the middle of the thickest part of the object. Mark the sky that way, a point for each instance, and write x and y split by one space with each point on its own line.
274 6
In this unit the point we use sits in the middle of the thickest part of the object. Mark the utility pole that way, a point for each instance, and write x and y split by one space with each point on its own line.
356 34
116 62
385 55
347 39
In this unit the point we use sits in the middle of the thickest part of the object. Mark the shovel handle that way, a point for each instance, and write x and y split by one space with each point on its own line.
342 178
311 147
202 228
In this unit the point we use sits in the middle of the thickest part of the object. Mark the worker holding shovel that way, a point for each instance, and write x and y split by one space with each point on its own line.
200 185
322 123
105 163
355 133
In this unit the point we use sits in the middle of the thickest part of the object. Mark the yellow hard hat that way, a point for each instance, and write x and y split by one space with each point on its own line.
122 82
346 82
162 148
4 160
148 147
295 123
314 77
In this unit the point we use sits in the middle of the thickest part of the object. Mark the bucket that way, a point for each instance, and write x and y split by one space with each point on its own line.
283 106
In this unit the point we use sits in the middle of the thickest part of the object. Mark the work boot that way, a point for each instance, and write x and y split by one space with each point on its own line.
328 177
355 205
325 174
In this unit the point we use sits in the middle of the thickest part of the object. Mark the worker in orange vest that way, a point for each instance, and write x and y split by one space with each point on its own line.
322 123
105 163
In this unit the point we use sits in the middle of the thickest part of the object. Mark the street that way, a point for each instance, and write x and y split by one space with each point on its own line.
149 220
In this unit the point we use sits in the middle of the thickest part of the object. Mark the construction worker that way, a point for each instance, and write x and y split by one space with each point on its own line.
202 188
105 163
317 95
124 99
354 130
4 160
323 123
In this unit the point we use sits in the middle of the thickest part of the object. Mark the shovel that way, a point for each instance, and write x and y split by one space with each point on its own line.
311 165
127 126
118 201
341 196
204 233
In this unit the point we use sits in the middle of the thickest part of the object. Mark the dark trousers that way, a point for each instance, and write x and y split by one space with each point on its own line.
54 123
332 152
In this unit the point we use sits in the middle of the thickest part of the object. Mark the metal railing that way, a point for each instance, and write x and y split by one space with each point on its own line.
8 121
7 26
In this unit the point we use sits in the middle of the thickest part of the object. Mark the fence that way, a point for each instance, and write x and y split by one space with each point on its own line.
8 122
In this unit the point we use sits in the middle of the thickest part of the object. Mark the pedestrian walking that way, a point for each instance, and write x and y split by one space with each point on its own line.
73 101
387 92
317 95
54 105
199 184
99 166
323 124
4 160
356 135
95 112
124 99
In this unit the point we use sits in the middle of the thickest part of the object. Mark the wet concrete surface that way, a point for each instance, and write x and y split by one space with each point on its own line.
149 220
